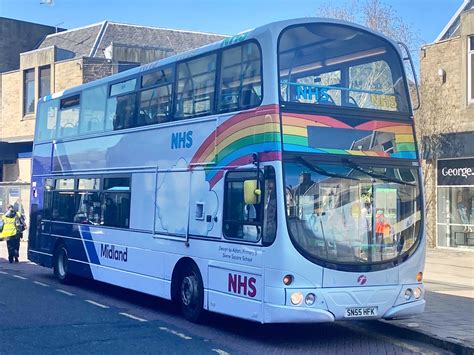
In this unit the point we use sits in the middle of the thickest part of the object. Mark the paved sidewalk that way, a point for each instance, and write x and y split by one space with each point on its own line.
448 319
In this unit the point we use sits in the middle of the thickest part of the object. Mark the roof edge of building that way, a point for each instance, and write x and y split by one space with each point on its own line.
168 29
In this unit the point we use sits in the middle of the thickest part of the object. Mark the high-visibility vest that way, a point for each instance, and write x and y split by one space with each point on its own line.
9 228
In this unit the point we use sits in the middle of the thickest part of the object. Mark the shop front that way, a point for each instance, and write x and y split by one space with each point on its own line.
455 203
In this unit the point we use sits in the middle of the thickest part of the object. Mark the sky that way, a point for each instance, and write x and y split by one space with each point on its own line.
426 17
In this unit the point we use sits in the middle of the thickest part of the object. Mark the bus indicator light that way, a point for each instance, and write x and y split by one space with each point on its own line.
288 279
419 277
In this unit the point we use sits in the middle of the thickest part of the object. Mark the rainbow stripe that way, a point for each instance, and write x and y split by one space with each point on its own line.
235 140
295 135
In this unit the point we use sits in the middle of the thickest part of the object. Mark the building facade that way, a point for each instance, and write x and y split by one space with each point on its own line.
63 60
446 129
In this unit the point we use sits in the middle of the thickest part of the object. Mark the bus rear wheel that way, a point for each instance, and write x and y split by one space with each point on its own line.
60 264
191 294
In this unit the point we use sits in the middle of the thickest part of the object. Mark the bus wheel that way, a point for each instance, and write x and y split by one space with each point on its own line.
191 294
60 264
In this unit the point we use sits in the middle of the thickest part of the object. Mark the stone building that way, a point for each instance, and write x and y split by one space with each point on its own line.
16 37
66 59
445 126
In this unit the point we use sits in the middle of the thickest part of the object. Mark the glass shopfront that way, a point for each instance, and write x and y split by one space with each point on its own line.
455 203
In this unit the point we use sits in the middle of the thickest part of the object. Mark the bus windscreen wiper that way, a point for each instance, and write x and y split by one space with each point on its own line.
375 175
321 171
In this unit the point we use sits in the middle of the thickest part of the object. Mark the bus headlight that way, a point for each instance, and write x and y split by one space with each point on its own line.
408 293
310 299
296 298
417 293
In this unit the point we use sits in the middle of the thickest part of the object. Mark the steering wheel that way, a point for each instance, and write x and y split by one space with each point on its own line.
352 101
325 98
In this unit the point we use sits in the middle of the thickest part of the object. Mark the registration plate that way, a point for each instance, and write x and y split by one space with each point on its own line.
356 312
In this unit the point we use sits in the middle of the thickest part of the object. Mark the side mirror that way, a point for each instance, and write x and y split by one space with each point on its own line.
251 192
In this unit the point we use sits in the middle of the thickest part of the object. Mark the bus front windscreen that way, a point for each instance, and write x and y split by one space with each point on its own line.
352 214
340 66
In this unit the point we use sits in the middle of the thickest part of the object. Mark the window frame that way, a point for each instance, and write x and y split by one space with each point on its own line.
213 107
62 107
40 81
219 76
252 173
470 70
345 110
265 173
26 111
138 89
76 191
141 88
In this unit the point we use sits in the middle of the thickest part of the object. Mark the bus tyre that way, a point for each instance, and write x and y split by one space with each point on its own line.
60 264
191 294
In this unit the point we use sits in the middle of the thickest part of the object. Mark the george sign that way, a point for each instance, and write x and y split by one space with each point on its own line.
456 172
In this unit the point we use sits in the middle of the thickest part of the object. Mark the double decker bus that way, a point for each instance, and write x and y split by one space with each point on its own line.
272 176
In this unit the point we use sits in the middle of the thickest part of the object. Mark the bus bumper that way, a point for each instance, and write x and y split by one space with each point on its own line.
287 314
405 310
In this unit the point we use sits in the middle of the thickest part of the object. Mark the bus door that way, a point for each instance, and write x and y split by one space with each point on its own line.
39 237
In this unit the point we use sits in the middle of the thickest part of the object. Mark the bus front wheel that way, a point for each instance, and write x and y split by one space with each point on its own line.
191 293
60 264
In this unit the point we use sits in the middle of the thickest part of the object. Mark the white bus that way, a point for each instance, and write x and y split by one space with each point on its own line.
272 176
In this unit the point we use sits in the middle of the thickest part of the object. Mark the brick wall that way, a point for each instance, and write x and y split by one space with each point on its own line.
67 74
11 120
96 68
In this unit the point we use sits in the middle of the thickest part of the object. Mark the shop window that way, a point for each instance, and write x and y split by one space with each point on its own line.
28 91
44 81
470 69
456 216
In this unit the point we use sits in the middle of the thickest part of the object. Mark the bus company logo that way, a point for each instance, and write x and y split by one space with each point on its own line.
362 280
110 252
181 140
242 285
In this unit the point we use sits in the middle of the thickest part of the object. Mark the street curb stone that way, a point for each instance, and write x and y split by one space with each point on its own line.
415 334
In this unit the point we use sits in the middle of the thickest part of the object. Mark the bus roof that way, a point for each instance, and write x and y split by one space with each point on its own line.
274 27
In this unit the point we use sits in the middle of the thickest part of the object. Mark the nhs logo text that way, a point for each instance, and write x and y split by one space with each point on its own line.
181 140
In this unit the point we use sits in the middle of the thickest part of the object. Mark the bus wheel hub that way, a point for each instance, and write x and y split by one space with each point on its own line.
189 290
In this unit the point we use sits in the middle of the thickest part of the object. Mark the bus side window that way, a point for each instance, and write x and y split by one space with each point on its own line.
47 117
93 110
69 116
241 78
115 201
195 87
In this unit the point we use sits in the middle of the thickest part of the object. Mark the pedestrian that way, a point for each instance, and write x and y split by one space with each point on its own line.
12 232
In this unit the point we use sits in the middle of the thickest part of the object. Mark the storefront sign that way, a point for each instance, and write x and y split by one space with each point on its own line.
456 172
